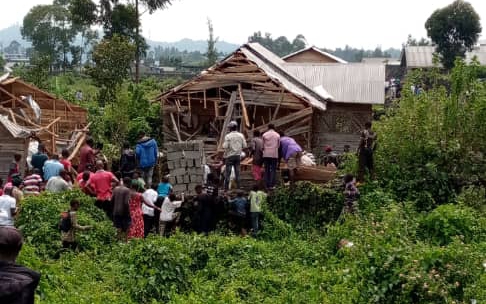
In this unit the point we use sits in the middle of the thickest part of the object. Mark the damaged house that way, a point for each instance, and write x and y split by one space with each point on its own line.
311 95
27 111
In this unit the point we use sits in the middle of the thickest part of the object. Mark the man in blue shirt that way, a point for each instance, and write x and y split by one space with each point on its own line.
147 153
52 167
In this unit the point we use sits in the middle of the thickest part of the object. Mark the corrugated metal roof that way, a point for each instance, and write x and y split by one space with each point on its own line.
316 49
16 130
422 56
349 83
274 68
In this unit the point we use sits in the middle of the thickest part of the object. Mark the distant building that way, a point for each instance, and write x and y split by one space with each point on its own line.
416 57
312 54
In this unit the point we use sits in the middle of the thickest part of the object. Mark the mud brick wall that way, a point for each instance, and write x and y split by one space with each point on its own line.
185 163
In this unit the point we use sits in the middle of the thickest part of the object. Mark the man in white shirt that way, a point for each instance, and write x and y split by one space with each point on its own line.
149 198
8 207
234 143
168 214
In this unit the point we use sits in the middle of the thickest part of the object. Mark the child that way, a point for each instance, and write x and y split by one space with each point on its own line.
256 198
351 194
168 215
138 180
239 207
68 235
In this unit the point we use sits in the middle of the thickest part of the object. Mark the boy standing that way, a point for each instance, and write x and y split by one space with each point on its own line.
68 237
239 206
351 194
256 197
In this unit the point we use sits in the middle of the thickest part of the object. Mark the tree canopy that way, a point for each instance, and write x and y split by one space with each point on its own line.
455 29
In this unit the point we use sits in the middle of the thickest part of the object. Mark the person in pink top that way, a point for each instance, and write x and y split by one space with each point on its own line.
271 143
101 182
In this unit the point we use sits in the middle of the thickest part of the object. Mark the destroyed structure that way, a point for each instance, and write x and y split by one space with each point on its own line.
27 111
314 97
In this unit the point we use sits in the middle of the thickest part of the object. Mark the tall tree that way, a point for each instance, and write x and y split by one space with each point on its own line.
112 58
50 29
455 29
212 53
123 18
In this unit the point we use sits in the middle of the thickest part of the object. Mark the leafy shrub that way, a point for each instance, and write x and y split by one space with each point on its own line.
306 205
448 221
39 219
154 269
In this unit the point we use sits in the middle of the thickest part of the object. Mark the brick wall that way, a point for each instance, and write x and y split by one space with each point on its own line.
185 163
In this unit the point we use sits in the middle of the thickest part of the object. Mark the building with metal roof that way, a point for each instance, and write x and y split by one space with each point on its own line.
314 55
423 56
316 103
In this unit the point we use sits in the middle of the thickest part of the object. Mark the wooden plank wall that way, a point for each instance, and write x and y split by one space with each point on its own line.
340 125
8 148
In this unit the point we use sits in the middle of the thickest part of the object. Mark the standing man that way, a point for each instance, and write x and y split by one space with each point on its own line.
87 155
234 143
271 143
14 167
38 159
365 152
101 182
52 167
147 153
291 153
8 207
17 283
256 151
121 209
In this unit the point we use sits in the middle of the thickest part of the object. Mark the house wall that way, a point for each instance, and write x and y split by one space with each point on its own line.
339 125
8 148
310 56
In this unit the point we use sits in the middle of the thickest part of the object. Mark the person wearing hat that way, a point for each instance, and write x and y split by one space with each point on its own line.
17 283
234 143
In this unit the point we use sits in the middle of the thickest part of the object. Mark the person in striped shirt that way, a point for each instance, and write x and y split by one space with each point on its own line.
32 184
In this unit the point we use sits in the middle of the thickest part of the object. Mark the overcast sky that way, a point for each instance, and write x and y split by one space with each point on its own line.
325 23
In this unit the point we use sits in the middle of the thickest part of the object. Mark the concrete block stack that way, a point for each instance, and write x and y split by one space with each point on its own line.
185 162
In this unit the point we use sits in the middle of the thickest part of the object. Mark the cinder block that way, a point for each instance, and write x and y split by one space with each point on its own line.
197 163
171 164
172 180
174 155
186 179
180 188
190 163
193 154
178 171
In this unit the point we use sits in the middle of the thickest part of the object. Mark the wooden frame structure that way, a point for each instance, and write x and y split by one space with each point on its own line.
245 87
316 103
59 120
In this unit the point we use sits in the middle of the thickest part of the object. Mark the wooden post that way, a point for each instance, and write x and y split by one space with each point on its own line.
227 119
189 104
243 106
278 106
204 94
174 125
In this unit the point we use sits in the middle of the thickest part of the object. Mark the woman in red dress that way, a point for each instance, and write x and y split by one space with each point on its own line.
136 229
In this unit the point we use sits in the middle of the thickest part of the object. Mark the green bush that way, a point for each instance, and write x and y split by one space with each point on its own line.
306 205
40 215
446 222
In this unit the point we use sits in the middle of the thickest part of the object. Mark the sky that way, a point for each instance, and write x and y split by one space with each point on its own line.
324 23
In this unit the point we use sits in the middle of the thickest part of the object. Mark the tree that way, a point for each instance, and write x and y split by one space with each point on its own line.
414 42
211 54
112 58
455 29
121 19
50 29
280 46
